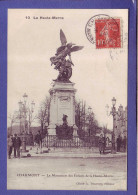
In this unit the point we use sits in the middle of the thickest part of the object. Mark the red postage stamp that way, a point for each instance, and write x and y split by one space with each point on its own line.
108 33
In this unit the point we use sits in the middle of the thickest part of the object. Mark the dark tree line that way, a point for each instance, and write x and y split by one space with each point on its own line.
85 119
43 113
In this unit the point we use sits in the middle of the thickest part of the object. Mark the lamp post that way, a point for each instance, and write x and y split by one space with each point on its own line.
117 122
20 112
25 96
30 110
89 116
25 110
113 113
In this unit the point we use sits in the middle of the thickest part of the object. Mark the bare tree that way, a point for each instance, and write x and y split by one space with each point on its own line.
80 113
85 119
43 113
12 119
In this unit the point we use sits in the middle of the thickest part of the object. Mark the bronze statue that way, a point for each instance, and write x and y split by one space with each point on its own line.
64 131
65 119
63 65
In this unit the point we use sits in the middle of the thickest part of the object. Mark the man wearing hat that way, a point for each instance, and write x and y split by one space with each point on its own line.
16 145
101 144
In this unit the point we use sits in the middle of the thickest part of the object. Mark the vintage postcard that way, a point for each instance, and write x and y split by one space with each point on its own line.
67 99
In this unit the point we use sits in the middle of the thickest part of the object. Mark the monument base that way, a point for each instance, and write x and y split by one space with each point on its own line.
75 129
62 103
52 129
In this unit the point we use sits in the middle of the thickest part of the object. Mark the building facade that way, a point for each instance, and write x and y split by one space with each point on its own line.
121 122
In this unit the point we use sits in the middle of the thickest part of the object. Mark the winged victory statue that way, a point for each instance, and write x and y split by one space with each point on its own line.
62 59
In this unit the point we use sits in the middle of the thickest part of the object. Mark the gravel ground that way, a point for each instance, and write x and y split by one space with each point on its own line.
50 173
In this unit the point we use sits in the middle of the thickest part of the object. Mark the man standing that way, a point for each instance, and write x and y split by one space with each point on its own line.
16 145
9 145
101 144
118 143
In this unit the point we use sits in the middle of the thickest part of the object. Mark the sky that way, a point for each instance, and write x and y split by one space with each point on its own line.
98 74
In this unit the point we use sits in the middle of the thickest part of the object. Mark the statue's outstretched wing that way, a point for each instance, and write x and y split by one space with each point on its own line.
60 49
62 38
76 48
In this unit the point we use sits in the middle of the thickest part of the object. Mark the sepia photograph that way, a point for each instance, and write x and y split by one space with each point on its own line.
67 72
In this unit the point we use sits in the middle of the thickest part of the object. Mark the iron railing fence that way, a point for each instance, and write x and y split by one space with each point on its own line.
75 142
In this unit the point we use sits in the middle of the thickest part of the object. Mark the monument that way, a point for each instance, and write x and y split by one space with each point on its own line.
62 93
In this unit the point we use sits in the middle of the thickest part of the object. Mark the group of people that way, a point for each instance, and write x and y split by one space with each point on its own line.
13 142
121 143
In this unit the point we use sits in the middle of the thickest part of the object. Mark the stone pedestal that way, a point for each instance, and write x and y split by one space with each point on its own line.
75 129
62 97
